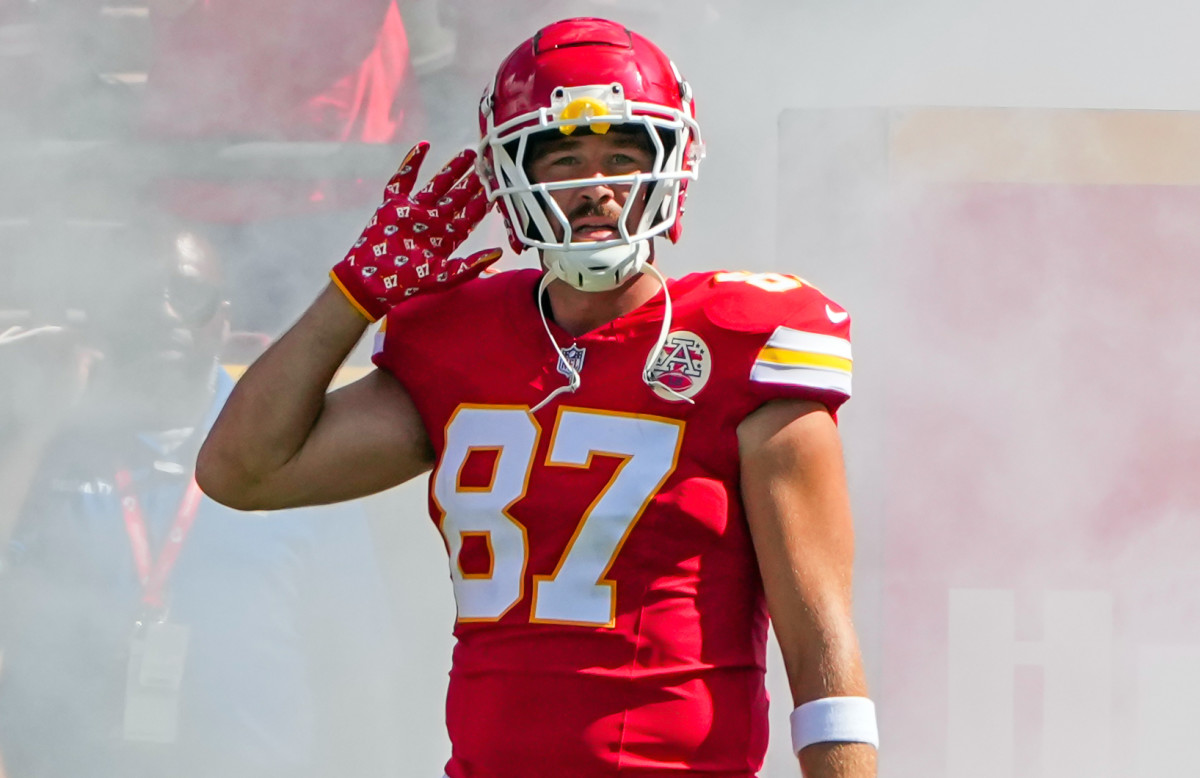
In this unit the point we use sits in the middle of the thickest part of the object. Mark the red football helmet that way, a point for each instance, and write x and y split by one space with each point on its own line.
589 73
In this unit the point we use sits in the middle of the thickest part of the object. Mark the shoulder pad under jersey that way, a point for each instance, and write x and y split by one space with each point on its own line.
805 336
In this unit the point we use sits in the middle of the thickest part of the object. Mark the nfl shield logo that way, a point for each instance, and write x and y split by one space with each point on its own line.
574 356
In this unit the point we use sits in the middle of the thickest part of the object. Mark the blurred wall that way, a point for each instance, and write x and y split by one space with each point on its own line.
1028 585
789 186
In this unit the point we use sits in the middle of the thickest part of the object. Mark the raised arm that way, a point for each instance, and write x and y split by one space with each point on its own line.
798 510
282 440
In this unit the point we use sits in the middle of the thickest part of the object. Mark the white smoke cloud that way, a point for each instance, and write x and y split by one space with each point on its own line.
750 62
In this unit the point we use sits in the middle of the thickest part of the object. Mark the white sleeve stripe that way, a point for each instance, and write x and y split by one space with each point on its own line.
798 375
811 342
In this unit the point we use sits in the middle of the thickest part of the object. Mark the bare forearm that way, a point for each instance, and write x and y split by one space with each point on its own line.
838 760
798 510
820 649
274 406
281 441
833 669
822 658
824 661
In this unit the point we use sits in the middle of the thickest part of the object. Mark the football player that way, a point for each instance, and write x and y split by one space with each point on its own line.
629 472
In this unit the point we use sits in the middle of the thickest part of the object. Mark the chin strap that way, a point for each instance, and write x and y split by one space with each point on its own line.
598 270
574 381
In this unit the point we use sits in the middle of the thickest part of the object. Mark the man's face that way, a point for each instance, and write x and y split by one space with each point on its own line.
593 211
165 326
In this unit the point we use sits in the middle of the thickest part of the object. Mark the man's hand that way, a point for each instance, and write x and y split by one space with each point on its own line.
406 247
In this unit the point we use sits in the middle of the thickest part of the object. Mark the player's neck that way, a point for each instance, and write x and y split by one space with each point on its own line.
581 312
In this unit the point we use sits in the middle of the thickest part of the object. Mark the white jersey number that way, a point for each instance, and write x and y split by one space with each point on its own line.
577 592
768 282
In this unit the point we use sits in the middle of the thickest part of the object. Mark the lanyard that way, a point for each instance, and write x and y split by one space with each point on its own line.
153 574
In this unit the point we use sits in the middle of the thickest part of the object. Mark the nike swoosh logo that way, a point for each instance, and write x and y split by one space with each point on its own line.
837 317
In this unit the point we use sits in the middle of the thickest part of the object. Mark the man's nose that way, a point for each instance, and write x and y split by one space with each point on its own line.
598 190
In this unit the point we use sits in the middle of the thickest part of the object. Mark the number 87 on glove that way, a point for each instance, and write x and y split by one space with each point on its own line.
406 246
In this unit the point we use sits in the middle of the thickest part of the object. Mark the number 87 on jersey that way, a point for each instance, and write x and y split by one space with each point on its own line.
577 591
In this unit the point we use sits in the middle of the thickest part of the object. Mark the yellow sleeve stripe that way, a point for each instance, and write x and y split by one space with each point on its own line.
814 360
789 339
778 356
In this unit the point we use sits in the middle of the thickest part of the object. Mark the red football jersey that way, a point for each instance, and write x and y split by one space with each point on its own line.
610 610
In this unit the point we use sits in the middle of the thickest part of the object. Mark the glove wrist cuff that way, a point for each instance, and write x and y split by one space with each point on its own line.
368 306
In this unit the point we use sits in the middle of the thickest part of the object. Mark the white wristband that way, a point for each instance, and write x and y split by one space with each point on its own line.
834 720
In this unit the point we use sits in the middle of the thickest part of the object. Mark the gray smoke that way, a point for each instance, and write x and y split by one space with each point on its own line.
1049 505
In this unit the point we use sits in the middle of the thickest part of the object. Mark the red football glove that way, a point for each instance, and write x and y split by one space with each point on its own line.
406 247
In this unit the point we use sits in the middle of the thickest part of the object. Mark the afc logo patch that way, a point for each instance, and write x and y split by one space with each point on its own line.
684 365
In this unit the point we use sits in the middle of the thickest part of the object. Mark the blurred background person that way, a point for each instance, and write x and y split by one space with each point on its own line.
146 630
268 87
259 70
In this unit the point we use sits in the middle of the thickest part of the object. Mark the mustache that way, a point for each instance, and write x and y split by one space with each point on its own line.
601 210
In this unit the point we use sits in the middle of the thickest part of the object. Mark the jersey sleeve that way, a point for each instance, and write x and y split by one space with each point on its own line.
379 352
424 335
391 351
805 356
800 339
383 353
